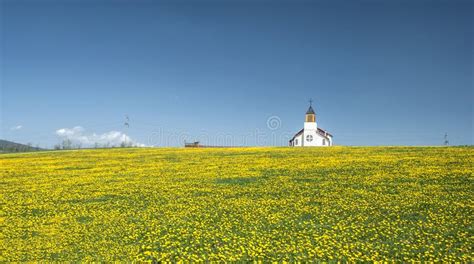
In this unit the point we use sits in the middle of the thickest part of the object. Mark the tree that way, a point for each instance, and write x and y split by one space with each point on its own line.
125 144
67 144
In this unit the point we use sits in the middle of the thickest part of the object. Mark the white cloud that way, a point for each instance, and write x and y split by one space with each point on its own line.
15 128
113 138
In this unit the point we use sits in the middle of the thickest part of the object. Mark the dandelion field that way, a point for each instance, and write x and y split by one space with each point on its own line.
282 204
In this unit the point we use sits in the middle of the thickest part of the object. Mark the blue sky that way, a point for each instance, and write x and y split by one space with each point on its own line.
379 72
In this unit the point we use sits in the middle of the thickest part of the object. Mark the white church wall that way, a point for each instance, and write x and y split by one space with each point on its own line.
310 126
317 140
313 139
298 141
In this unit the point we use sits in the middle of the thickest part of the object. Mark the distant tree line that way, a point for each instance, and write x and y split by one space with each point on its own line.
8 147
68 144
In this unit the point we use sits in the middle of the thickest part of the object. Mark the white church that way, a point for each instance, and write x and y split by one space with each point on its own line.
311 135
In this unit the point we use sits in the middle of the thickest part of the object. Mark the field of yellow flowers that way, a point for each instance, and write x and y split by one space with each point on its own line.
281 204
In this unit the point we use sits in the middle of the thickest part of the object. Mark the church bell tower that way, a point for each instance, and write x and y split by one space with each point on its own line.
310 119
310 115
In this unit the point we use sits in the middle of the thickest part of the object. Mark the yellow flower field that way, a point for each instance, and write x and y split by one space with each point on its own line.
280 204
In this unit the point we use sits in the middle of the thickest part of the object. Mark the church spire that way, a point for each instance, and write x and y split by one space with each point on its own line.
310 114
310 109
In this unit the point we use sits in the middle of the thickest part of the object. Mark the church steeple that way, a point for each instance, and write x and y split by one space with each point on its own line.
310 114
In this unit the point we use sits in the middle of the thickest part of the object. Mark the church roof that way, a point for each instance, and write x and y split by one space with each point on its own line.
324 132
297 134
310 110
320 131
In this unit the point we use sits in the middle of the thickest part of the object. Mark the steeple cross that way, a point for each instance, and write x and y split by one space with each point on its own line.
310 102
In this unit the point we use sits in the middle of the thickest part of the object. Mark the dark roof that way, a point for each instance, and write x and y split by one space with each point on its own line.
297 134
324 131
310 110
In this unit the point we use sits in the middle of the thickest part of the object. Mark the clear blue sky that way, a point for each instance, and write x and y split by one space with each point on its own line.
380 72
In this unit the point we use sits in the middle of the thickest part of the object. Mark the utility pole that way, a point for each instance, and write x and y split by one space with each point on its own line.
446 141
127 122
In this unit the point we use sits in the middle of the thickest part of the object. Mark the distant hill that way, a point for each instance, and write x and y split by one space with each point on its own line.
9 146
